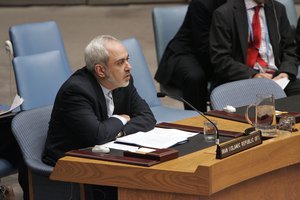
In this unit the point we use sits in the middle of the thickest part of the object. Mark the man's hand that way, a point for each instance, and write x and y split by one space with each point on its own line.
263 75
126 117
280 76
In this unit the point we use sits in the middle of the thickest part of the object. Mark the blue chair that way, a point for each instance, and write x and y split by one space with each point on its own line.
166 22
35 38
243 92
30 130
292 16
291 11
6 168
145 85
39 77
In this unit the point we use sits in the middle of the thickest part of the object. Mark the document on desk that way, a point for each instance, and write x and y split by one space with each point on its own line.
282 82
157 138
16 103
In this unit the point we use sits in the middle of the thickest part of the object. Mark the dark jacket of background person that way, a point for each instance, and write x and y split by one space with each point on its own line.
190 46
229 42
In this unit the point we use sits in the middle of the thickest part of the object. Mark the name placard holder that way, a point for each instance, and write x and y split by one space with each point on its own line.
239 144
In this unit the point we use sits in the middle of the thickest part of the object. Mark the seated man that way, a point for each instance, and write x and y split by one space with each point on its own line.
97 104
185 63
253 39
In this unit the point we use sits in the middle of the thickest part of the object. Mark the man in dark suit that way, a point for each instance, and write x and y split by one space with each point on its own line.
232 36
185 63
83 114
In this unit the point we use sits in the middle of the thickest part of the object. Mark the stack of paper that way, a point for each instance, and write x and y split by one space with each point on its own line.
157 138
16 103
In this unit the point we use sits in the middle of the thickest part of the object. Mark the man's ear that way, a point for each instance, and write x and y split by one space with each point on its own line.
100 70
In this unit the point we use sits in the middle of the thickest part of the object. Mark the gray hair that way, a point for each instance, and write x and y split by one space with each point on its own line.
96 53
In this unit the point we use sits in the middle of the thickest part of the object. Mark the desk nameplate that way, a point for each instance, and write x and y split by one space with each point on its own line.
239 144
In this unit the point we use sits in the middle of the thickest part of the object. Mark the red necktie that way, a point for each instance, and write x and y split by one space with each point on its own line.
253 55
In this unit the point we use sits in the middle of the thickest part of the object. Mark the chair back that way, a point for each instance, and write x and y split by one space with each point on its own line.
30 130
140 71
39 77
243 92
6 168
144 84
166 22
291 11
35 38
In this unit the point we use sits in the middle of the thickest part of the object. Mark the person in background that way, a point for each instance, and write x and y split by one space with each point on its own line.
297 35
97 104
253 39
185 63
10 151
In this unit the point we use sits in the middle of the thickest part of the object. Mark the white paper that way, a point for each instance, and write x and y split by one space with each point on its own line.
123 147
16 103
157 138
282 82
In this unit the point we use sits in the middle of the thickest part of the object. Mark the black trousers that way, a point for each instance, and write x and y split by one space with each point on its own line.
9 150
192 79
293 88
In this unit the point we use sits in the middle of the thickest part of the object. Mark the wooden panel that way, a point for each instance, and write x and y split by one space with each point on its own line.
276 185
125 194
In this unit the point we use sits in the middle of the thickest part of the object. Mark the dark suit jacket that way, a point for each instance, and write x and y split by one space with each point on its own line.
79 117
192 38
229 41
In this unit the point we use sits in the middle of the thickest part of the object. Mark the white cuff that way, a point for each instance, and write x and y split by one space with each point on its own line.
123 120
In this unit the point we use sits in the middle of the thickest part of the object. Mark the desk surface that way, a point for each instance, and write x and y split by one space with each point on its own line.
198 173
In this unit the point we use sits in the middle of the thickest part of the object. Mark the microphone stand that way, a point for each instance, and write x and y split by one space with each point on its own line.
160 94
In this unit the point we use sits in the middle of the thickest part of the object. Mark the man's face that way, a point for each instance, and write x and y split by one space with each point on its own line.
117 73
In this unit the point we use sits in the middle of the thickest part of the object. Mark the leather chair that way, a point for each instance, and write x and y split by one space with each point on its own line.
35 38
144 84
39 77
30 130
243 92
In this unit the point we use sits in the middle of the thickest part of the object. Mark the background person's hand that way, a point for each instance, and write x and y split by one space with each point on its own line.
280 76
263 75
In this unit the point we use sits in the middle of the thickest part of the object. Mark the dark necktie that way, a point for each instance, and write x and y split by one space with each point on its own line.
253 55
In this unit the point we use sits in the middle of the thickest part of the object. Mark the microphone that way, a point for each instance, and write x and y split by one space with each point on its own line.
161 94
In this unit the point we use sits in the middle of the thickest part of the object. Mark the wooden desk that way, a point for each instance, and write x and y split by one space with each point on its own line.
267 171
